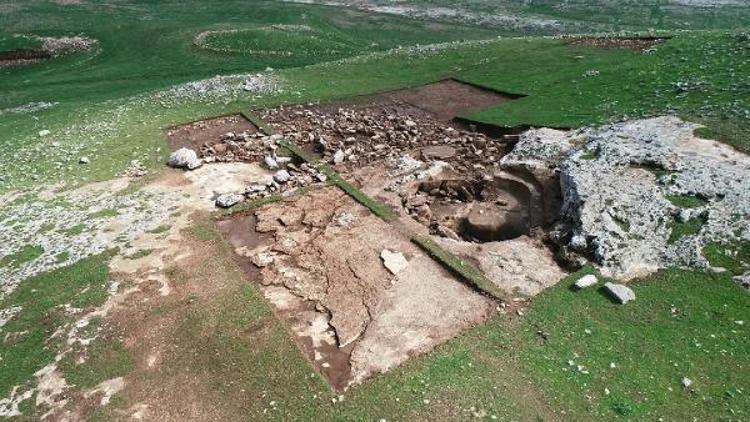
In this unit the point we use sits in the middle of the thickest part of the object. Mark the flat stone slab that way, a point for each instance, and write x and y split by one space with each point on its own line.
619 292
586 281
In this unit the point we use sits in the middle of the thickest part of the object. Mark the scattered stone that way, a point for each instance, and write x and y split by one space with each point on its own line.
344 219
263 259
619 292
135 169
586 281
686 382
43 133
228 200
270 163
339 157
281 176
578 242
438 152
743 280
393 261
84 160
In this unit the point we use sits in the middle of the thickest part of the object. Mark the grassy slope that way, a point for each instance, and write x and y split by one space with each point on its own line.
27 347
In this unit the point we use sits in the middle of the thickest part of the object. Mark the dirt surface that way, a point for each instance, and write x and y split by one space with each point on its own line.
319 258
636 44
450 98
22 57
197 134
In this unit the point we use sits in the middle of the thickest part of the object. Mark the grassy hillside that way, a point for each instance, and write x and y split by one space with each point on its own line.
147 45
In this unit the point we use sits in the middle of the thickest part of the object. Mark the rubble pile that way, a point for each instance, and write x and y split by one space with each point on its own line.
349 137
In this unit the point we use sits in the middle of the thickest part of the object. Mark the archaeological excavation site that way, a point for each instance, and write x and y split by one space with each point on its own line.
380 227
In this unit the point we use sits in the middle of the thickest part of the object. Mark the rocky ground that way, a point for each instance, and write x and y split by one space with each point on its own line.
349 137
641 195
361 297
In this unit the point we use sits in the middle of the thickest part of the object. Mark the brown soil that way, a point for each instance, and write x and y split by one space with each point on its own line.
636 44
450 98
22 57
196 134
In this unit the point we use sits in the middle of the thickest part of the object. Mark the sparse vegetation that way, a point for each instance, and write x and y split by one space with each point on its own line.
26 254
160 229
734 257
42 299
105 213
686 228
687 201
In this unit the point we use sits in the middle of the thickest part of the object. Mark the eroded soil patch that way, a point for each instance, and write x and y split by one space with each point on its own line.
450 98
201 134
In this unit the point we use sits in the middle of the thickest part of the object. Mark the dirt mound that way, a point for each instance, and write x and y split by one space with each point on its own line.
632 43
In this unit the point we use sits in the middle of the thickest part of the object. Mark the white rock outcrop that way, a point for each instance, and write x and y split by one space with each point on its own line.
623 186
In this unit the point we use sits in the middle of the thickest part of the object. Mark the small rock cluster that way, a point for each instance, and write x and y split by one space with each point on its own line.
251 147
244 146
292 176
350 137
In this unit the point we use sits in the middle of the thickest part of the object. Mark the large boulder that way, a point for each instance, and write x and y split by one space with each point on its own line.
184 158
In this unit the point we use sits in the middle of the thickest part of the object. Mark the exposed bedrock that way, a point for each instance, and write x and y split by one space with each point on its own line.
640 195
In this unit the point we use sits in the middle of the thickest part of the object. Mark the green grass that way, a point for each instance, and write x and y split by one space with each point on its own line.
687 201
29 348
107 358
687 228
682 323
735 257
24 255
62 257
462 267
105 213
160 229
283 41
75 230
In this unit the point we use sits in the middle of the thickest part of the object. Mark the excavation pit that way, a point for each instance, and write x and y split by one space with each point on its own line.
421 122
476 211
450 98
326 265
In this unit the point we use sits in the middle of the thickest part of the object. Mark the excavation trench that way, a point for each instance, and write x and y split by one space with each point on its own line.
359 296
